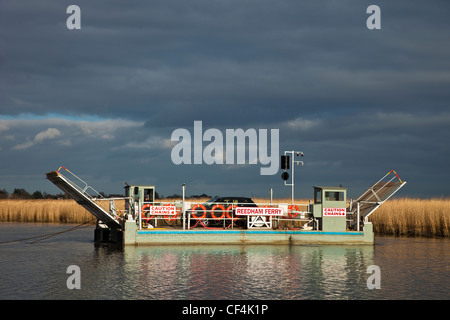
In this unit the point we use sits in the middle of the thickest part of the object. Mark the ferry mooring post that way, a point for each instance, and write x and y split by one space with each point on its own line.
285 166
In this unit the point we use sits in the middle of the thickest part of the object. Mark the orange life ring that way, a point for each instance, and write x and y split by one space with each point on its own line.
145 206
221 208
194 212
230 213
291 212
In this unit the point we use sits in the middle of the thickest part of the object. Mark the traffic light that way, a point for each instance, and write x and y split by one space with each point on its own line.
285 162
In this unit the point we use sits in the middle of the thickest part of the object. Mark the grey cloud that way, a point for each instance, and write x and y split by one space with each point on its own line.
197 54
48 134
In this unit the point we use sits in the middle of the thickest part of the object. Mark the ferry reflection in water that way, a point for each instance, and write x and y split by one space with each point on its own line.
241 272
411 268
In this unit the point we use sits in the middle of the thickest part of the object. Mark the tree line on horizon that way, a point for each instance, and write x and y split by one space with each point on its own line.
20 193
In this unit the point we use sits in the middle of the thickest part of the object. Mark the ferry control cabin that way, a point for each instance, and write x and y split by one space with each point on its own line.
329 208
139 193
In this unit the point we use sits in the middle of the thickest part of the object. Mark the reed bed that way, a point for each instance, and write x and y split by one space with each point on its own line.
53 211
413 217
403 216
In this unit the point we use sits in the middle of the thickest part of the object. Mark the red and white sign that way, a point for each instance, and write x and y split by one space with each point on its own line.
162 210
252 211
333 212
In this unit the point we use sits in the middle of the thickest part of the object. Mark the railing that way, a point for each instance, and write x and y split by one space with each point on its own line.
381 185
85 186
215 215
372 199
94 195
149 213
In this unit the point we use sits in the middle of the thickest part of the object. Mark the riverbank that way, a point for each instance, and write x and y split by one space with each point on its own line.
403 216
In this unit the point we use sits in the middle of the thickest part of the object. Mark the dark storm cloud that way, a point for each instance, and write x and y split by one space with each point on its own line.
351 98
157 57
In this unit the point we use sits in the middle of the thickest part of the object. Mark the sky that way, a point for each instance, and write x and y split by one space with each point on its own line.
104 100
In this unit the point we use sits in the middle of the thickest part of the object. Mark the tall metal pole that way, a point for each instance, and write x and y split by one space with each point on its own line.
139 213
183 207
292 166
293 170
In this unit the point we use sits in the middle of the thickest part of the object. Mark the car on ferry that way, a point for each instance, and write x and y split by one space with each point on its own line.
219 211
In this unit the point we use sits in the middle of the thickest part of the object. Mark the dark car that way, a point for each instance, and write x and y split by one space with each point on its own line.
219 211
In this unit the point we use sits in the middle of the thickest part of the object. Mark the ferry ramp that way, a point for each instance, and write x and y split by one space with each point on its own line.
377 194
82 197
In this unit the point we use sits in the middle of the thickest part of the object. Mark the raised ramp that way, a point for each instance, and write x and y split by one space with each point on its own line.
377 194
83 198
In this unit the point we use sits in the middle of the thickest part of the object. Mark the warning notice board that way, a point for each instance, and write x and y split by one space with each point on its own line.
333 212
162 210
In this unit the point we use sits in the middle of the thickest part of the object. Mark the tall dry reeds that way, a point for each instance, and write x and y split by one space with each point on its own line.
415 217
54 211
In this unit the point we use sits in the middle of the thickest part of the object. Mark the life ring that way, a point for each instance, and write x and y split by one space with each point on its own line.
229 213
171 217
221 208
145 206
291 212
194 212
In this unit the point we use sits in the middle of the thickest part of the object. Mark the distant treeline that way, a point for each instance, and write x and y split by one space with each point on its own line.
178 196
20 193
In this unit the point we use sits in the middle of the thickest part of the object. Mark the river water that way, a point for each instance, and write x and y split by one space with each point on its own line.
408 268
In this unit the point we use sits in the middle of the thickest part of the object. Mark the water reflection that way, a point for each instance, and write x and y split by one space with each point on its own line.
411 268
241 272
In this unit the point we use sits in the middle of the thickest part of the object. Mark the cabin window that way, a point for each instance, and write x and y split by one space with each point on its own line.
148 195
317 196
334 196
